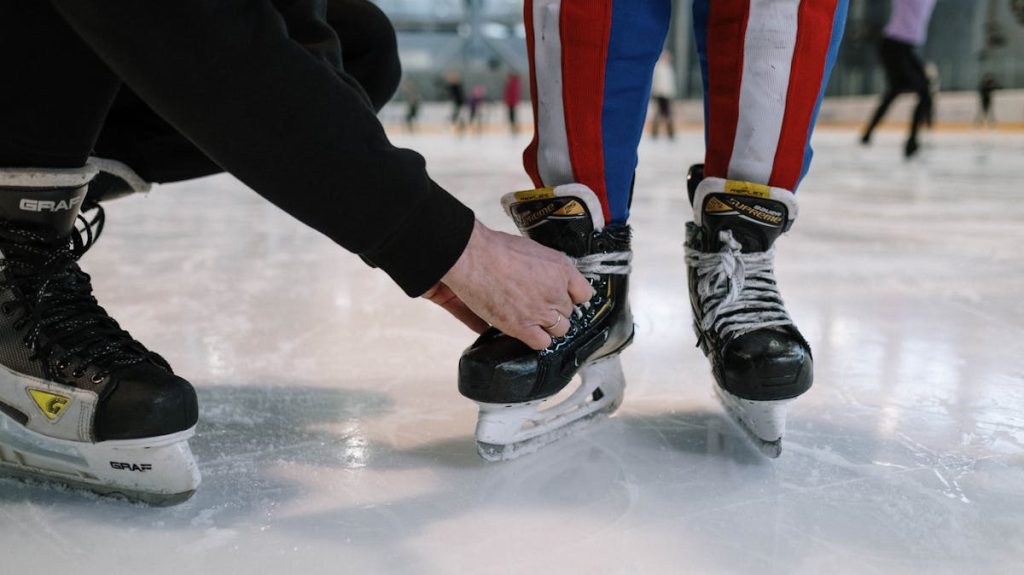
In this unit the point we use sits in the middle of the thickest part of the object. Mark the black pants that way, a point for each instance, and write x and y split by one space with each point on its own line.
904 72
265 90
663 116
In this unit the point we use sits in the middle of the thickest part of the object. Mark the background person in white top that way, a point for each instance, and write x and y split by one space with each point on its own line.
904 71
663 91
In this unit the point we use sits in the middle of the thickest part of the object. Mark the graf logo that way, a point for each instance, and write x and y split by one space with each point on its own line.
30 205
51 404
140 467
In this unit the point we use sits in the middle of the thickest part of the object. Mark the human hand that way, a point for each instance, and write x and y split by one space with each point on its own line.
443 296
522 288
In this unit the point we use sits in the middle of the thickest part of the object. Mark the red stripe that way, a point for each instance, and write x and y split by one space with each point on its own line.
813 35
585 29
727 30
530 153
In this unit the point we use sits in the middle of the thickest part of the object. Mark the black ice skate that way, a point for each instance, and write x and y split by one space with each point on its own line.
759 359
81 402
509 380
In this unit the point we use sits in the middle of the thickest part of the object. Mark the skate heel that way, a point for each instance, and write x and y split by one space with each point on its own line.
507 431
159 470
764 422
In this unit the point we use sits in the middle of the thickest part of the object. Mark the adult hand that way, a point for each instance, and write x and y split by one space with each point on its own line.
517 285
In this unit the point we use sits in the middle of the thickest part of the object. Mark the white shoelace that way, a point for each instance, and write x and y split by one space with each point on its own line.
736 291
594 265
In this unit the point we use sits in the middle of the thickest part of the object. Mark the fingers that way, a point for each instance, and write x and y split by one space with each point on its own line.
443 296
579 288
462 313
559 326
515 284
535 337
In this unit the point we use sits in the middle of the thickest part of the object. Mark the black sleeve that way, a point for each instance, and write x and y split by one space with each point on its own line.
227 75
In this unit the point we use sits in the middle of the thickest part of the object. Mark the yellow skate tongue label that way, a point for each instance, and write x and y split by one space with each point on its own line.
538 194
741 188
51 404
573 208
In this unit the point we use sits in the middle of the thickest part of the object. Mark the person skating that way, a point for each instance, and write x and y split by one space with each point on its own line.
663 92
258 89
591 91
906 31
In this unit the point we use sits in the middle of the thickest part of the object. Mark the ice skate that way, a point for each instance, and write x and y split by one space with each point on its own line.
758 357
81 402
512 382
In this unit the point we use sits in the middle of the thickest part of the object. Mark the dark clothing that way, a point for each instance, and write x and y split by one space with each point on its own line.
986 88
904 72
264 90
663 116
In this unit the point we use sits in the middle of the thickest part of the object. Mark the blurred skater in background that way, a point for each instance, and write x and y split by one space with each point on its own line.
906 31
986 89
512 95
663 92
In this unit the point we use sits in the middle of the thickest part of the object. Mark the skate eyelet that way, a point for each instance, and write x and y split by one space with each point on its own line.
97 378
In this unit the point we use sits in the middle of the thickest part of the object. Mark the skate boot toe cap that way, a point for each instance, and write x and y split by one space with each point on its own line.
146 401
767 365
498 369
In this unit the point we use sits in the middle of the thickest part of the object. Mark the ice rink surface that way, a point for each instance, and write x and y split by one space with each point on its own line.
333 439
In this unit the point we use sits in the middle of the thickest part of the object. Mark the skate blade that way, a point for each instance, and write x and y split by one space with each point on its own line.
763 422
158 471
507 432
494 452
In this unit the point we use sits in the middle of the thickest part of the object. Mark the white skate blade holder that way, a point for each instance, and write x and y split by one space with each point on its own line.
505 432
763 422
158 471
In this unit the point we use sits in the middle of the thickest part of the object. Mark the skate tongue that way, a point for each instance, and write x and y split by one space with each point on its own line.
53 210
748 211
559 218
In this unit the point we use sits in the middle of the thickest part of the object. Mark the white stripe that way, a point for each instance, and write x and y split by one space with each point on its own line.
767 58
553 161
47 177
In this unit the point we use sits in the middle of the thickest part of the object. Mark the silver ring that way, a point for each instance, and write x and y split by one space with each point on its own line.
557 321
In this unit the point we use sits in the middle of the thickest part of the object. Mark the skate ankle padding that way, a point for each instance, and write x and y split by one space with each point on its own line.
45 197
755 214
564 218
114 180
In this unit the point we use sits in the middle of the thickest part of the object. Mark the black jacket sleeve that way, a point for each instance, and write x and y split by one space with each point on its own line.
300 133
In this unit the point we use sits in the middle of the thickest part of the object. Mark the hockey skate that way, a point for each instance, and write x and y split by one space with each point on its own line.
81 402
758 357
512 382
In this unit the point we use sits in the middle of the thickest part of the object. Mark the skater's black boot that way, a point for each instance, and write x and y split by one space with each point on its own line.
508 379
758 357
81 401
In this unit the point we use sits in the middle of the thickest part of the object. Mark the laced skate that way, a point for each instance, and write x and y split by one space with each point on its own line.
82 403
512 382
758 357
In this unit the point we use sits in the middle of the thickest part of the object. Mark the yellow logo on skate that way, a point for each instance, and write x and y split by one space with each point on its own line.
715 205
748 189
51 404
573 208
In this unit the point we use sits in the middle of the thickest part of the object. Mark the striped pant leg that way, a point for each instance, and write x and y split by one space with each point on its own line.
591 63
765 64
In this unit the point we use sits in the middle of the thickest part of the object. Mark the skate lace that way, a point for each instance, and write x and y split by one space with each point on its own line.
66 326
736 292
593 266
